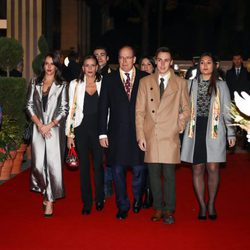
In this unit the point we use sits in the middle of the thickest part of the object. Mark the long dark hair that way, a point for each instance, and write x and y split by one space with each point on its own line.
98 75
214 76
56 61
151 60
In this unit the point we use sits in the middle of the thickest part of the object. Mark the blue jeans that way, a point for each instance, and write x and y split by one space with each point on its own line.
138 184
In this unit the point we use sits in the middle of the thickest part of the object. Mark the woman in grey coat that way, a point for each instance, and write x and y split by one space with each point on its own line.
206 134
47 106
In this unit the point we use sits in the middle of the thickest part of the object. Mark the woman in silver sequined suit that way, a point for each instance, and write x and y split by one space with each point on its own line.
47 105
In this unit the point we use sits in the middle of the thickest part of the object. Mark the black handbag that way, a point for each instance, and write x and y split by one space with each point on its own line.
27 133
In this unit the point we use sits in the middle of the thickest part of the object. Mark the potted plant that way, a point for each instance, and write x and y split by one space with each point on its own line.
9 146
12 96
3 153
20 150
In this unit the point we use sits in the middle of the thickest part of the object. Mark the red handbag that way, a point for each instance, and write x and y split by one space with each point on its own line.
72 159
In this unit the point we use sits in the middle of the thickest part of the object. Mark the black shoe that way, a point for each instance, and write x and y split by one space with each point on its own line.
202 215
148 199
137 206
99 206
212 216
48 215
86 211
121 215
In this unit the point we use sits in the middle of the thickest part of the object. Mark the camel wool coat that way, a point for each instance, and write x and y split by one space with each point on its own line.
159 121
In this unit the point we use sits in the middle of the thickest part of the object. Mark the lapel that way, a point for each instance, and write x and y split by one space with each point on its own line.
39 88
52 90
80 94
172 86
120 85
98 87
135 87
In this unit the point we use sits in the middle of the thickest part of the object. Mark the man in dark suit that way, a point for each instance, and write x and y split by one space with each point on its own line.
237 77
102 57
118 96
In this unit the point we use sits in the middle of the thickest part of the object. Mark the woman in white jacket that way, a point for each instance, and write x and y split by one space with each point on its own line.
82 131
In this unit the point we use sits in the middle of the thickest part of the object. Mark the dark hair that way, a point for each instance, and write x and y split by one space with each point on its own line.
56 61
98 75
214 76
129 47
73 56
151 60
102 48
163 49
237 53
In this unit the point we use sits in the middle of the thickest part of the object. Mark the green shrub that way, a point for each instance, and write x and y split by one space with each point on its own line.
12 98
11 53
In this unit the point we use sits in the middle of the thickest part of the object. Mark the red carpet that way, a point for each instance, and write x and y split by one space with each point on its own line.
22 225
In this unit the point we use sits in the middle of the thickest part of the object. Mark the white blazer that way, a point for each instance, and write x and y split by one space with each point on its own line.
79 102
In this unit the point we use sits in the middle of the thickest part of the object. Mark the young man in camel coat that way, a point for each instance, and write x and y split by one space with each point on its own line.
162 110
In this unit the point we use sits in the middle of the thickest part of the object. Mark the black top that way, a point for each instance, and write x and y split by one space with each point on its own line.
90 104
203 99
45 100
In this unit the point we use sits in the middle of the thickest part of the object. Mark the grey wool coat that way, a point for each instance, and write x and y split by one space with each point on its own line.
216 147
47 154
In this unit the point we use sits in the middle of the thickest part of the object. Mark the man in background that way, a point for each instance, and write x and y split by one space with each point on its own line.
238 79
101 54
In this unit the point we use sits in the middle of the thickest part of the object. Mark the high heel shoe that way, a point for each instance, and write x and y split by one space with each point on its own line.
50 213
212 215
202 214
44 205
202 217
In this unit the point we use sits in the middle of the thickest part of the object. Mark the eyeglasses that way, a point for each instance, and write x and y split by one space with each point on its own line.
125 58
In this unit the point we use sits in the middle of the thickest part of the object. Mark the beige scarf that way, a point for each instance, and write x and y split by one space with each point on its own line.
215 117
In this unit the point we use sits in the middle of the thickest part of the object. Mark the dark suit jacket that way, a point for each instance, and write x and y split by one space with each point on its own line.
123 148
240 83
106 70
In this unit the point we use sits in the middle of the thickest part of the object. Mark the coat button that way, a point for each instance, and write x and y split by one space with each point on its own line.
153 111
152 100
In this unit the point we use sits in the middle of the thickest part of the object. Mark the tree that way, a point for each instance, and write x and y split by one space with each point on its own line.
11 53
44 49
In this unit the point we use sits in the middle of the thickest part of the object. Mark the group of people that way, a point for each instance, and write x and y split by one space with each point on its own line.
133 118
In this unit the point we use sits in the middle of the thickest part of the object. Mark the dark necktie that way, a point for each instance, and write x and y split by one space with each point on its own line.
127 84
237 72
161 86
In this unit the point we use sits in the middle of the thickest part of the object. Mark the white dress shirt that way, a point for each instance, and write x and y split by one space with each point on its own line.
166 78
